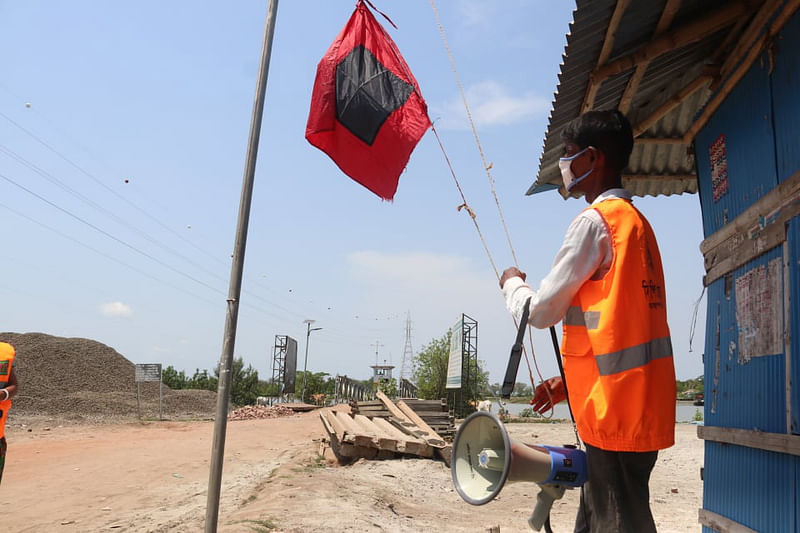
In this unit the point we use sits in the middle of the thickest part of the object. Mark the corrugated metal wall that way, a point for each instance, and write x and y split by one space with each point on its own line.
785 87
744 395
760 125
745 119
751 487
785 91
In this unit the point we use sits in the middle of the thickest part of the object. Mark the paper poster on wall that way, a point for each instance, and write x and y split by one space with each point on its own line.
456 355
759 305
718 157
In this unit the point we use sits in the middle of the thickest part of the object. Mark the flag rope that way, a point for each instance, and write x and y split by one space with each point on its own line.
487 168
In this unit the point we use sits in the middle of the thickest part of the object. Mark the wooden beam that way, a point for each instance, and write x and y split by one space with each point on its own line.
750 35
774 442
760 228
761 207
741 70
674 101
605 52
667 15
664 177
674 40
658 140
721 523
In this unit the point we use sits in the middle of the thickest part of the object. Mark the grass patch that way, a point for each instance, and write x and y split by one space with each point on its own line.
264 525
314 463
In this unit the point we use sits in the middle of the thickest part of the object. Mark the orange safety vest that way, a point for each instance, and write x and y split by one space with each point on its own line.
7 354
616 344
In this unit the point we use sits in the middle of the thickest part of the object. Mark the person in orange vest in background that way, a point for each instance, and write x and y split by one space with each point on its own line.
8 388
606 285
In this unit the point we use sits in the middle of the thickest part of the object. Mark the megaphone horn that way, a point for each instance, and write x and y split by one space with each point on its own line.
484 458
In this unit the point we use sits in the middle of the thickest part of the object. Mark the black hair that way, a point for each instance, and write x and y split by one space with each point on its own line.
608 131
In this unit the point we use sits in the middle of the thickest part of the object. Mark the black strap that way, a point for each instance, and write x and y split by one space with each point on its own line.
561 370
516 354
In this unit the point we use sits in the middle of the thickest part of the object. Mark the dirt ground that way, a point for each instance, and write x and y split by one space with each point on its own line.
153 477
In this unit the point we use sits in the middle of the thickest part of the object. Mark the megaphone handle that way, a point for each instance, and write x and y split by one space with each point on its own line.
544 502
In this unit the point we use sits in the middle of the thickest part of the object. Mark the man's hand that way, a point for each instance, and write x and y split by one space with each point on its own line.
541 401
511 272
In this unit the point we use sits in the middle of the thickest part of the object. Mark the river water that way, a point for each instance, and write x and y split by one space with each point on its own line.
684 411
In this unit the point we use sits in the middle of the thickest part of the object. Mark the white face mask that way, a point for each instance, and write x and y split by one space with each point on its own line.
565 165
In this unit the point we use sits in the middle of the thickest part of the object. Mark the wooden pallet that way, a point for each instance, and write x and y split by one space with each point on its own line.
357 436
433 412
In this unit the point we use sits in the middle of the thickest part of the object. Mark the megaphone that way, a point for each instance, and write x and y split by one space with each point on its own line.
484 458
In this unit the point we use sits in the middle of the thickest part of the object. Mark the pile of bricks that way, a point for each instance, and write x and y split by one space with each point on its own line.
255 412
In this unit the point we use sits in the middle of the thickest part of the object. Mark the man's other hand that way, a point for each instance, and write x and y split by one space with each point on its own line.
511 272
541 401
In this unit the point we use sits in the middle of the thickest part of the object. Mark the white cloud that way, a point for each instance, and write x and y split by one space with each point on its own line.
474 12
116 309
490 104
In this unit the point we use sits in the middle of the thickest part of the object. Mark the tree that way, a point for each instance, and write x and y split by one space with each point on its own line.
522 390
316 383
388 387
173 379
201 380
430 370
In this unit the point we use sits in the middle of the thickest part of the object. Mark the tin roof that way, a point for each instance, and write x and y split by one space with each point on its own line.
673 87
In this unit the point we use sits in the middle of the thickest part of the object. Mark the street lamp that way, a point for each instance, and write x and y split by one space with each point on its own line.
309 329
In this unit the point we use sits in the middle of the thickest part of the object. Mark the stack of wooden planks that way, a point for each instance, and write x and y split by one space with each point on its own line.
433 412
400 433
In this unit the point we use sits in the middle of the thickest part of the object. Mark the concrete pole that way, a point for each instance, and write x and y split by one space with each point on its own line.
235 286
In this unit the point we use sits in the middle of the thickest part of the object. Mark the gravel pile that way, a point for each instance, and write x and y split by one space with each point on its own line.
82 379
254 412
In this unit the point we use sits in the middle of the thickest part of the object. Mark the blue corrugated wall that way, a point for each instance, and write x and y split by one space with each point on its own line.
761 123
745 118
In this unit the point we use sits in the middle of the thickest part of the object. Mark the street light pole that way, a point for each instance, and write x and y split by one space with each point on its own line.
309 329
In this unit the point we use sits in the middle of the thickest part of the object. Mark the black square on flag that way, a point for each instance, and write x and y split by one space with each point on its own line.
367 93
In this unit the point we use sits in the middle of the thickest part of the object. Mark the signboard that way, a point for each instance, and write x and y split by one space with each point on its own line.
759 312
290 365
456 354
148 372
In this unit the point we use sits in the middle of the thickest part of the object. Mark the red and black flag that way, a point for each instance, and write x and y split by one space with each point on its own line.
367 112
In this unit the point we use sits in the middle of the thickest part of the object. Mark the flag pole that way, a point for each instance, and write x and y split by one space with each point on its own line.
235 286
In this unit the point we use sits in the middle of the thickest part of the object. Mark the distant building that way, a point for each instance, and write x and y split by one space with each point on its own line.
381 373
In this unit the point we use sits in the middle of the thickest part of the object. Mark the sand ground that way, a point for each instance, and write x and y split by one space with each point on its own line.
153 477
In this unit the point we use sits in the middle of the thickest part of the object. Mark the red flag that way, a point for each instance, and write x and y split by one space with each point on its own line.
367 112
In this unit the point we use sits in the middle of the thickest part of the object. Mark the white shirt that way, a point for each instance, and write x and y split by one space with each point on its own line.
586 253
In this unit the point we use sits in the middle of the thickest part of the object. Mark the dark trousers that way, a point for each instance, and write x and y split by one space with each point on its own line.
616 498
3 448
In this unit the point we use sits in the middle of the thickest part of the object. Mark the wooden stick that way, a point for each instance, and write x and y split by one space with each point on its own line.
658 140
605 52
750 35
673 102
667 15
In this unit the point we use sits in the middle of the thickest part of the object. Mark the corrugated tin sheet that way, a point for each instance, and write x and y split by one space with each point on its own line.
746 395
745 121
793 235
750 486
670 167
785 88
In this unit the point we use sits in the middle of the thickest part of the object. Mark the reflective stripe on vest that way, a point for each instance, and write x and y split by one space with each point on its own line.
576 317
634 356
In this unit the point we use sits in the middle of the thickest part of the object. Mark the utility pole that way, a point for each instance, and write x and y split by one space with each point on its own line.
235 286
309 329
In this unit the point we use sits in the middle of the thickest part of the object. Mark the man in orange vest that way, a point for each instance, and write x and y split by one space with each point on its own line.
607 287
8 388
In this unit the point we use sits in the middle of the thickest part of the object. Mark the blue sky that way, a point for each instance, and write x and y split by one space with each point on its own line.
120 184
